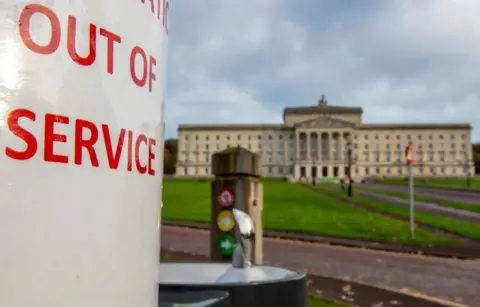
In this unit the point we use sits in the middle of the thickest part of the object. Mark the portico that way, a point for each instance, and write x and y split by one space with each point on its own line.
321 147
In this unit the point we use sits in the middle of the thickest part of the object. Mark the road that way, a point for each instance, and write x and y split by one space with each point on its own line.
453 280
459 196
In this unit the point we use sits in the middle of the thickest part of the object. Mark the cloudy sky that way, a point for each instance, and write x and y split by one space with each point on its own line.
401 60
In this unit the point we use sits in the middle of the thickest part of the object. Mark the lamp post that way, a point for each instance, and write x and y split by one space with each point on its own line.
349 155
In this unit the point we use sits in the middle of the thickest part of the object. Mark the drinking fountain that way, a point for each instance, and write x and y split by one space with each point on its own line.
245 283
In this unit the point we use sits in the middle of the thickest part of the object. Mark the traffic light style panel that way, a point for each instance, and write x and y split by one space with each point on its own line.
226 221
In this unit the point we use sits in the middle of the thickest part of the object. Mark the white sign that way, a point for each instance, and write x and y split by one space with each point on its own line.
81 150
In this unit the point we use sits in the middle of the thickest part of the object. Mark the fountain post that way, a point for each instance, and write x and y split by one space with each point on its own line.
236 185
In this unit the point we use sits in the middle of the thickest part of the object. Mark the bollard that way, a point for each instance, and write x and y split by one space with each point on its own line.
81 135
236 185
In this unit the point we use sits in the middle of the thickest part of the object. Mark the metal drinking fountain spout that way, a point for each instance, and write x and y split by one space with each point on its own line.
244 232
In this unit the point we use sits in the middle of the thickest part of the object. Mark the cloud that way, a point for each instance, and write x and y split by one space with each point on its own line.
402 60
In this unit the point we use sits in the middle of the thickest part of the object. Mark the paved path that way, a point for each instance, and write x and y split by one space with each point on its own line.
454 280
459 196
426 206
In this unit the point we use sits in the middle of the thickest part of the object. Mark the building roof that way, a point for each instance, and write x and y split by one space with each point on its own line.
406 126
321 108
400 126
216 127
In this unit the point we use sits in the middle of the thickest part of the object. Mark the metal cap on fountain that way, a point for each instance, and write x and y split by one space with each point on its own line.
245 233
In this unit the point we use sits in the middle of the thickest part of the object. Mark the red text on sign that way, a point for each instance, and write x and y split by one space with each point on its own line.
56 36
148 64
160 9
99 138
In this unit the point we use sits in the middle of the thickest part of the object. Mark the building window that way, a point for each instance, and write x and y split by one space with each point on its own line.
398 138
228 138
259 146
367 171
218 147
259 137
249 146
269 137
419 137
377 171
366 146
206 146
207 138
430 137
270 170
186 137
388 171
280 137
366 138
376 137
196 171
387 137
206 170
218 137
238 138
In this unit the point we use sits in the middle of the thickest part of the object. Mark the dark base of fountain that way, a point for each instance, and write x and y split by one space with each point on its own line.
281 293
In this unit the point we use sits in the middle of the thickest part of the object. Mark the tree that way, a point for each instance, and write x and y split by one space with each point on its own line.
476 157
170 156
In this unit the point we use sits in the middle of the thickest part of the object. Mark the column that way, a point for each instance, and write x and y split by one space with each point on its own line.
319 146
297 143
309 156
341 154
329 142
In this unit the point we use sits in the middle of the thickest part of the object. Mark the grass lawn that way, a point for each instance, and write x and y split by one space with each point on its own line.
469 229
441 202
446 182
290 207
316 301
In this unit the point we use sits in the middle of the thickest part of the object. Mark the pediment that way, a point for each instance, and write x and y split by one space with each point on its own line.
325 122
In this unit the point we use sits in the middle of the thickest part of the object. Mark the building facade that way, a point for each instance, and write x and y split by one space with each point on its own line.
313 142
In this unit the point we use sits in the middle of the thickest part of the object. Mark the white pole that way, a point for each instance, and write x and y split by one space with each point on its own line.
412 202
81 151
